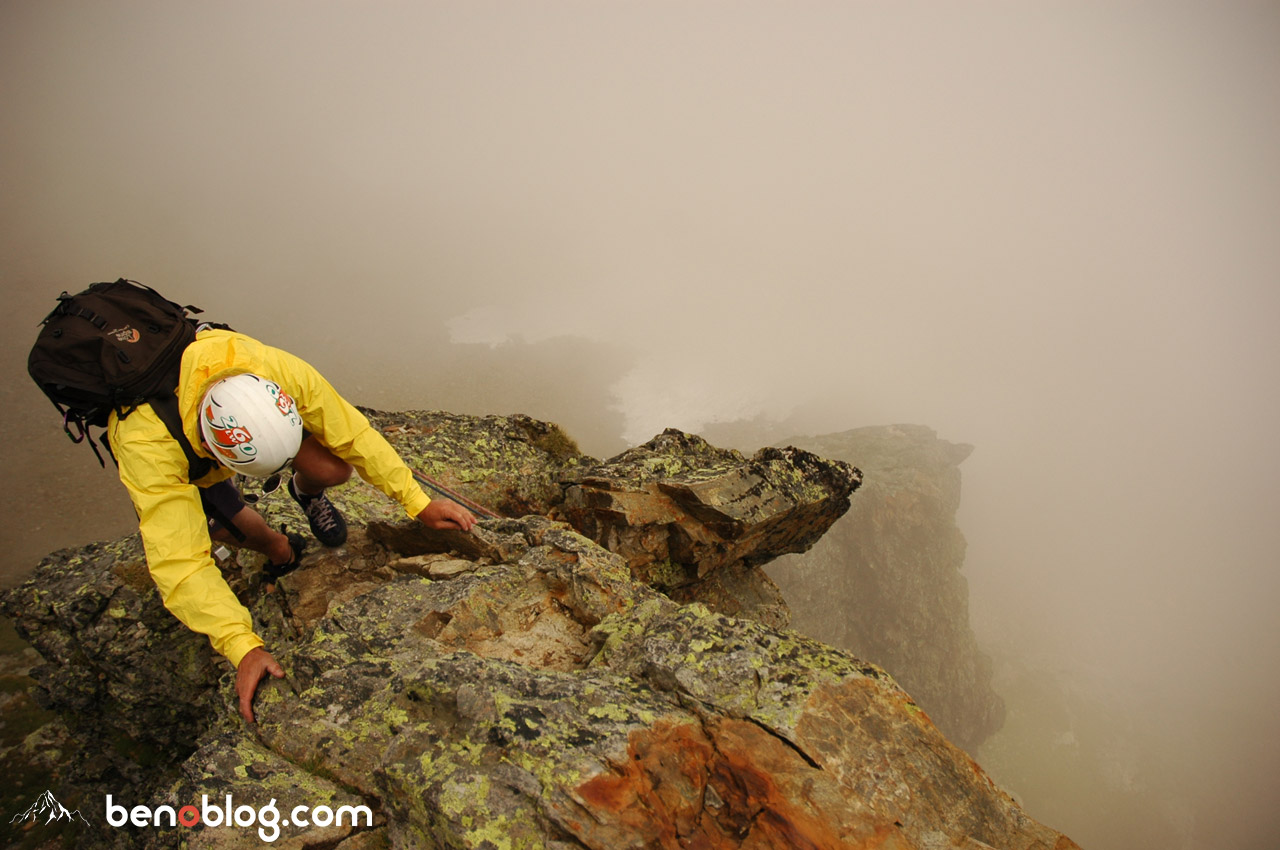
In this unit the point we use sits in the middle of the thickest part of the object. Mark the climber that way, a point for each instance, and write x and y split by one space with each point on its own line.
256 410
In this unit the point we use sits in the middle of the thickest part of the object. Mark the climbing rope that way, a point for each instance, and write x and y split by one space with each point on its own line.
435 485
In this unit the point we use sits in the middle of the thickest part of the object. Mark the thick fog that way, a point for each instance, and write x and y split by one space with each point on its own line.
1051 230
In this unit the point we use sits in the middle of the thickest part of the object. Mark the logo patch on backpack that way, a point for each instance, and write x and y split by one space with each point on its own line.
125 334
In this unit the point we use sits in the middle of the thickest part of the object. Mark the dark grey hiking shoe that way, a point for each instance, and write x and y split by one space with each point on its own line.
325 520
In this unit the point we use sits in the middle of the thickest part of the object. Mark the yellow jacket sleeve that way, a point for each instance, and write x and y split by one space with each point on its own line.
333 420
175 534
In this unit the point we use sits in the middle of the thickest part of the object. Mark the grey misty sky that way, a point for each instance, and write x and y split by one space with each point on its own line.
1046 229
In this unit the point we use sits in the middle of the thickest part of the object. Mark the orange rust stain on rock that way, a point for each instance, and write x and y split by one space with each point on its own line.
610 793
728 784
786 802
658 793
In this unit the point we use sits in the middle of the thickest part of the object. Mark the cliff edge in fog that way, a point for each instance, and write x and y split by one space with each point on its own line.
606 667
892 587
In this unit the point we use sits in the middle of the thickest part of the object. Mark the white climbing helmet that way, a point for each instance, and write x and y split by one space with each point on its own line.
250 424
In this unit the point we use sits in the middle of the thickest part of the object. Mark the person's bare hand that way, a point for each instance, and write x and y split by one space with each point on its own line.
445 513
255 665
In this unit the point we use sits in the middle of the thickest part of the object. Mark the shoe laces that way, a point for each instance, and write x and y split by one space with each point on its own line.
322 512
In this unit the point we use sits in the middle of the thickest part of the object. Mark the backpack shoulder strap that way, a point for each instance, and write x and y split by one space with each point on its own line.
166 408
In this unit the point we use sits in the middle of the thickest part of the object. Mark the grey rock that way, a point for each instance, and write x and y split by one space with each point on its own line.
544 695
677 508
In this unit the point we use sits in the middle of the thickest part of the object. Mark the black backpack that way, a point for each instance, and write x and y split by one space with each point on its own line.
115 346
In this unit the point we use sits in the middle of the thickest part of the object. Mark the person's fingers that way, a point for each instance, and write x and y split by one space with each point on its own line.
444 515
253 667
463 517
246 701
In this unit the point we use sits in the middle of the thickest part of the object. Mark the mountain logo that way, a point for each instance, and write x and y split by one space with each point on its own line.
47 810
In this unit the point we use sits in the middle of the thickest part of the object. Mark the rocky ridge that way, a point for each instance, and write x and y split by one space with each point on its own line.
607 668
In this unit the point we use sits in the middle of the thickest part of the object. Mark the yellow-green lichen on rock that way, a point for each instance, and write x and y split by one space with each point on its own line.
550 696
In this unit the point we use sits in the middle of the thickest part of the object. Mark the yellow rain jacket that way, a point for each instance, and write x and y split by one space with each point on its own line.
175 531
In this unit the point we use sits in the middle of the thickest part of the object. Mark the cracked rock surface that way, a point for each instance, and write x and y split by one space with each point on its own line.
538 683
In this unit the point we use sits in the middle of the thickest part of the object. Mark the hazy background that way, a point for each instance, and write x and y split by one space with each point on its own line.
1051 230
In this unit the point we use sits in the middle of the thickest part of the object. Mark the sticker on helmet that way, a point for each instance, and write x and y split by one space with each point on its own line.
284 403
230 439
